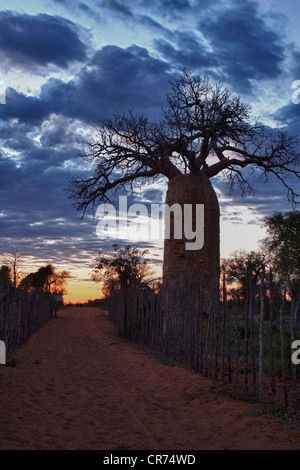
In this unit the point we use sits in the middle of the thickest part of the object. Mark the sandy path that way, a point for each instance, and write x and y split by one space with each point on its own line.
79 386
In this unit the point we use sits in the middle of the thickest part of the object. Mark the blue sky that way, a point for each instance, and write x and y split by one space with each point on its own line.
67 63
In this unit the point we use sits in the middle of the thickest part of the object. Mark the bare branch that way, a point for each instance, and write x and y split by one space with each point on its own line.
200 120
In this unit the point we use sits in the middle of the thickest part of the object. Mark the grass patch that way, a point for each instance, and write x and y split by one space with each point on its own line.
273 409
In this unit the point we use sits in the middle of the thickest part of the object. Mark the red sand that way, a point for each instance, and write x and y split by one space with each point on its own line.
79 386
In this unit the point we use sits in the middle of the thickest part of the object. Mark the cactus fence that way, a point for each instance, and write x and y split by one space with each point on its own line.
21 313
231 345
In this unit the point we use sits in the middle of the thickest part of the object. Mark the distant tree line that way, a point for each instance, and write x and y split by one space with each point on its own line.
278 255
47 280
123 268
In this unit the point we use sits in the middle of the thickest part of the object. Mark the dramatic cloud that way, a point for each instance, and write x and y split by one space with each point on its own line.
168 7
117 7
243 44
236 46
41 137
129 8
115 79
289 115
27 41
23 107
189 51
153 25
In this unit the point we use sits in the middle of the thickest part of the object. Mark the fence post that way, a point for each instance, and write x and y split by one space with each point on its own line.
21 313
261 334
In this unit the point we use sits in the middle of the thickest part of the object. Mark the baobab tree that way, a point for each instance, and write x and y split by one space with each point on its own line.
204 131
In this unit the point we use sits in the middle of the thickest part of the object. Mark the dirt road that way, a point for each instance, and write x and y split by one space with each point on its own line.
78 385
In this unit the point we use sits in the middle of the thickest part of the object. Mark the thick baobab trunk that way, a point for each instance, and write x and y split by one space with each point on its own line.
184 267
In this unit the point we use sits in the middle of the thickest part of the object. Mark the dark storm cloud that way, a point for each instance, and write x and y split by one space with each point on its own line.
39 40
189 51
171 5
289 115
39 129
295 56
117 7
152 24
244 45
15 137
128 8
37 184
116 79
167 7
138 10
26 108
37 208
84 7
153 195
173 9
38 218
125 78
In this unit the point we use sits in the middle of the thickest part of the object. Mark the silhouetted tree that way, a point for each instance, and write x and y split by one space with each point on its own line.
5 276
283 246
13 260
203 132
45 280
237 266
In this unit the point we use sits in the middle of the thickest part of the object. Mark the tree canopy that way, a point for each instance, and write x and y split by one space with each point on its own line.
125 267
203 128
283 241
13 261
6 275
46 280
237 266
